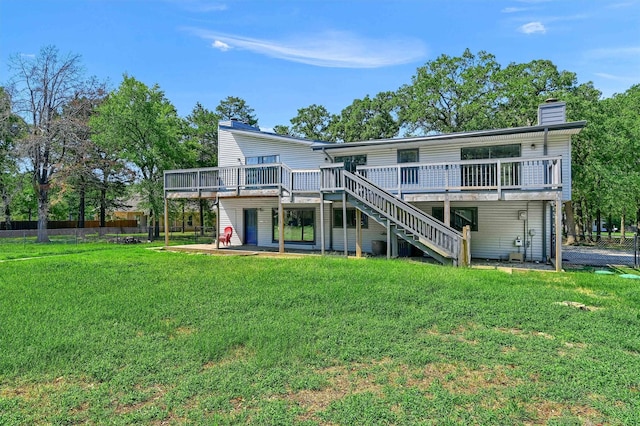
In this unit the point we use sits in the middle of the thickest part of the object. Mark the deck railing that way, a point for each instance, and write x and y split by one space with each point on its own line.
472 175
480 175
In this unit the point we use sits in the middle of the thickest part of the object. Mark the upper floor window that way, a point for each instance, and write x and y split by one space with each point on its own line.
408 175
263 159
352 161
495 151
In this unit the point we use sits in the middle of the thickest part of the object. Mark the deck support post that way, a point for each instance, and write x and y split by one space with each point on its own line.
322 223
218 224
388 239
558 226
166 221
280 224
358 233
344 222
447 211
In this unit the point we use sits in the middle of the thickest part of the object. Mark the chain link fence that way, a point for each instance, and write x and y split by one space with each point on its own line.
606 251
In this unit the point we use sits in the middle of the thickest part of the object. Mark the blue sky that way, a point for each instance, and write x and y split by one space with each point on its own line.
283 55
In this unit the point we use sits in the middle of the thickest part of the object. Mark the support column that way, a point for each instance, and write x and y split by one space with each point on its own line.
358 233
280 225
218 224
388 239
344 223
447 211
558 227
322 223
166 221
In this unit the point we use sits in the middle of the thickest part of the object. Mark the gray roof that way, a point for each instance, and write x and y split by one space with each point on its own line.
570 128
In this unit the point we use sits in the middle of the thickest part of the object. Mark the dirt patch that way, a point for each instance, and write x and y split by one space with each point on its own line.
578 305
237 354
153 395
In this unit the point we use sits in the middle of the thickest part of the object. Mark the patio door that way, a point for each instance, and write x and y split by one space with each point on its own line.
251 227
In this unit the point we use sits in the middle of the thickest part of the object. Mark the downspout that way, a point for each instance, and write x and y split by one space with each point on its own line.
544 231
544 145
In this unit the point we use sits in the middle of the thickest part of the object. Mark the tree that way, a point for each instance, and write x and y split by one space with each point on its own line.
202 136
11 128
44 86
366 119
312 122
283 130
451 94
234 108
522 87
143 126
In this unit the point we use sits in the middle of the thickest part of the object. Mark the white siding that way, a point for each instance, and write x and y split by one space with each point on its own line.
231 214
234 148
498 227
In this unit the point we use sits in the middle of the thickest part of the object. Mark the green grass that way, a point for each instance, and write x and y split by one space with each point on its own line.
121 335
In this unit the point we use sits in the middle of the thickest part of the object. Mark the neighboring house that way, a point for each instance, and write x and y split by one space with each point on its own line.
505 185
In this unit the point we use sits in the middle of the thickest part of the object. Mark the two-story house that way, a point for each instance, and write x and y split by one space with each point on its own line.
496 193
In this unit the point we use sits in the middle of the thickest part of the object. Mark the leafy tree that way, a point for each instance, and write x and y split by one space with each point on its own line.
312 122
11 127
142 125
283 130
366 119
44 86
234 108
202 135
451 94
522 87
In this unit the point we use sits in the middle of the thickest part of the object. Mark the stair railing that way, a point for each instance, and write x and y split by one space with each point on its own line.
404 215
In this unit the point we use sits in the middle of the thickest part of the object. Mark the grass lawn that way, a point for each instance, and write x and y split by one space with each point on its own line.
122 335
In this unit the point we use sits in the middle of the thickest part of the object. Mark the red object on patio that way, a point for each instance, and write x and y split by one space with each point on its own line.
226 236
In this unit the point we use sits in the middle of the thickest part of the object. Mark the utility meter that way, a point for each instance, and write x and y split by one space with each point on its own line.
522 215
518 242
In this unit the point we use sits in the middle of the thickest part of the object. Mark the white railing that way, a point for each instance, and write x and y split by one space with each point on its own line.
496 174
430 231
235 178
472 175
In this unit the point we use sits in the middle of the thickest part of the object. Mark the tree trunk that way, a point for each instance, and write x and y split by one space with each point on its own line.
81 206
201 217
570 223
103 207
7 213
622 232
598 225
43 213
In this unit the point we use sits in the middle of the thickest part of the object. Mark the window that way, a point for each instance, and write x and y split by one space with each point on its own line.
484 152
264 159
351 218
299 226
485 174
351 161
262 175
408 175
460 217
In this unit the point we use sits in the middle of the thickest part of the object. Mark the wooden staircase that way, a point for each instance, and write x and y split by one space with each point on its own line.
423 231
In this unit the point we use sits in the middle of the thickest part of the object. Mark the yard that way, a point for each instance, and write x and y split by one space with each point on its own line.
99 333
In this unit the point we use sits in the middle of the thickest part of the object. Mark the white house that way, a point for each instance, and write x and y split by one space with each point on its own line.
506 186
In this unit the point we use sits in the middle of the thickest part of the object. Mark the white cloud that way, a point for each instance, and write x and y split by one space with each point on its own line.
335 49
514 9
201 6
620 78
532 28
632 52
220 45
